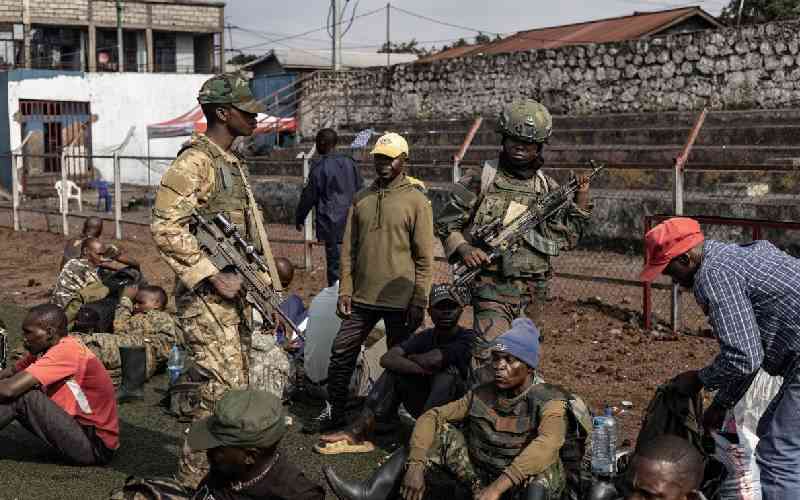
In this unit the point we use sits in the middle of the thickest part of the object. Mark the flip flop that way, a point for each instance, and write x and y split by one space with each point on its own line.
343 447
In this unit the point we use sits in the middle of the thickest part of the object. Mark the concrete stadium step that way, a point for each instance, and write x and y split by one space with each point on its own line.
630 176
662 154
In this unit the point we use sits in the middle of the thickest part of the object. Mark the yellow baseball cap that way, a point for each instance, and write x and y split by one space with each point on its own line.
391 145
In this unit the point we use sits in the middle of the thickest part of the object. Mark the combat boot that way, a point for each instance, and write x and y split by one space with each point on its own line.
134 373
384 481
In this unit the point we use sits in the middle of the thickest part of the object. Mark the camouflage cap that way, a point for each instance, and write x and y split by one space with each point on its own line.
527 121
230 88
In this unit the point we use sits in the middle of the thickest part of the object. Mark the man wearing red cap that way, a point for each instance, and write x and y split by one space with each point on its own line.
751 295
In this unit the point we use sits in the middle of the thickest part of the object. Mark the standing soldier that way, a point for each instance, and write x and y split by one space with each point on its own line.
518 282
209 178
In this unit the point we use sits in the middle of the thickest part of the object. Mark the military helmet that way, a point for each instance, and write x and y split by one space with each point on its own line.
230 88
527 121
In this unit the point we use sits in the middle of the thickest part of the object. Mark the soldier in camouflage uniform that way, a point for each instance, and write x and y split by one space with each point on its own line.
80 273
208 177
509 441
517 284
144 323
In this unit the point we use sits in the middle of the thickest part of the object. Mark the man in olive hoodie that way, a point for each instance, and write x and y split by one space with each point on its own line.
387 261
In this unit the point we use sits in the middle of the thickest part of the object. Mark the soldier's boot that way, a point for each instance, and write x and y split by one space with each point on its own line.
134 373
384 481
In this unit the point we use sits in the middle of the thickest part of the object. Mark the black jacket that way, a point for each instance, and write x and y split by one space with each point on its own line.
284 481
332 183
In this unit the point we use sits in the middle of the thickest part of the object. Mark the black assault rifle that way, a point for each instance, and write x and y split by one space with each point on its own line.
496 238
226 248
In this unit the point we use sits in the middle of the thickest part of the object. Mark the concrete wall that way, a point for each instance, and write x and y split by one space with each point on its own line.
752 67
175 15
119 101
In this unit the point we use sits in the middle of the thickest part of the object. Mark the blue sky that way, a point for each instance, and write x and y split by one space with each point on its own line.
265 24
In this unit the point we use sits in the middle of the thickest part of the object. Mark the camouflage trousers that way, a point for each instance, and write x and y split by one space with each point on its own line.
271 370
106 347
450 451
497 302
214 341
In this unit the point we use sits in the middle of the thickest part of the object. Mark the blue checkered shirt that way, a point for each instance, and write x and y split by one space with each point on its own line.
751 294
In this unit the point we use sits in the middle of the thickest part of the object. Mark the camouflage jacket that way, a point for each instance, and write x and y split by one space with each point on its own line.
476 200
77 274
146 324
192 182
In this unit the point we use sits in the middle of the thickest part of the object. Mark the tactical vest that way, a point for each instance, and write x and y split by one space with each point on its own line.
499 432
496 196
229 197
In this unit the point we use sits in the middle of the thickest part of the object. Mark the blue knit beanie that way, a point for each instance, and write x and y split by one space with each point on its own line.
521 341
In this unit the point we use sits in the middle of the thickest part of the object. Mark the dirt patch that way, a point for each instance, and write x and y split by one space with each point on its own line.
593 347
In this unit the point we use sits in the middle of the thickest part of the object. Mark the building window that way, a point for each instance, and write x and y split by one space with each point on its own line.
133 46
58 48
11 46
164 47
61 136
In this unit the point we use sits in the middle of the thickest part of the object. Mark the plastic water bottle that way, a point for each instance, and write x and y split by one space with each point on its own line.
604 444
175 364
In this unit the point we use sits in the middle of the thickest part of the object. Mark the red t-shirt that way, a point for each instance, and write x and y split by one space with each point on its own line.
75 380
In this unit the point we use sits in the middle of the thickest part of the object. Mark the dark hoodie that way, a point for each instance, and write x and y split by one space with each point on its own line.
387 251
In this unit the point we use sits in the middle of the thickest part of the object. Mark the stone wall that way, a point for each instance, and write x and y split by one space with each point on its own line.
752 67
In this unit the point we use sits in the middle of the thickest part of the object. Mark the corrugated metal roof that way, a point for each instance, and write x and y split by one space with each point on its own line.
321 59
614 29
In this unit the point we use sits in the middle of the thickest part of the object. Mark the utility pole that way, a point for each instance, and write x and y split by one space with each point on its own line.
388 35
230 37
739 17
120 47
336 28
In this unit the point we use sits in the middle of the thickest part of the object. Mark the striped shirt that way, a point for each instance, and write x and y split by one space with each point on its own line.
751 294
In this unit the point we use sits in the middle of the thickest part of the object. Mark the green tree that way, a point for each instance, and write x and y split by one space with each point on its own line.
240 59
760 11
410 47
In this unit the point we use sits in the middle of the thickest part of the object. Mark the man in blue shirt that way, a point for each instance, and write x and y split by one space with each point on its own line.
751 295
332 183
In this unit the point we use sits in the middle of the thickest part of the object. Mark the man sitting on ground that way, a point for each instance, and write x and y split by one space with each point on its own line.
79 273
514 430
241 441
668 468
144 323
428 370
271 366
75 411
92 228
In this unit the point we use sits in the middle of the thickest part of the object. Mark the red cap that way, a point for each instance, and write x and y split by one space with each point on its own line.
668 240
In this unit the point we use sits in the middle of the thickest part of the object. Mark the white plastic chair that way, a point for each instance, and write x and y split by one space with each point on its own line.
73 193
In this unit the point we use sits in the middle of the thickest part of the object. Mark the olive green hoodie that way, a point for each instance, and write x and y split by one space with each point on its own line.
387 250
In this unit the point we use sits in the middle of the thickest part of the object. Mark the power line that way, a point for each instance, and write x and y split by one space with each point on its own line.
443 23
299 35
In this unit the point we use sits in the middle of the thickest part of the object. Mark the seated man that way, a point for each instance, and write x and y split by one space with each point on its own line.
514 430
75 411
78 273
92 228
429 369
272 357
667 467
241 441
144 323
